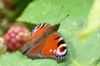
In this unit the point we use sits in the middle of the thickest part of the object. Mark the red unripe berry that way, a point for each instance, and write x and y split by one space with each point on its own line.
16 37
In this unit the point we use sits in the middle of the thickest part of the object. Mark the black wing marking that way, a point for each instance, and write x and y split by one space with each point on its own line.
61 41
39 27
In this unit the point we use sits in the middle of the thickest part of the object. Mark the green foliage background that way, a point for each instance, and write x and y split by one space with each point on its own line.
80 52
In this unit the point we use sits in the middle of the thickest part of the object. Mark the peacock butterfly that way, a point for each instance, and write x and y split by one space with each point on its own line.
46 42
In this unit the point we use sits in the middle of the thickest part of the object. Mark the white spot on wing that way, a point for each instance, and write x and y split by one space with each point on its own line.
50 50
54 51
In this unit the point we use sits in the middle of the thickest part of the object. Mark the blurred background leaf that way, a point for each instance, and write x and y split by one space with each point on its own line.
93 21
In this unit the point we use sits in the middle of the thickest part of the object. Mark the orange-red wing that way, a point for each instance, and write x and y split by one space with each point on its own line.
51 44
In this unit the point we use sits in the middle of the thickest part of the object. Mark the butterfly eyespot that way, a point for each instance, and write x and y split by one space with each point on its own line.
61 51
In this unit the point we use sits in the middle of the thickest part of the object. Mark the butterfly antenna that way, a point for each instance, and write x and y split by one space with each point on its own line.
59 16
63 18
59 13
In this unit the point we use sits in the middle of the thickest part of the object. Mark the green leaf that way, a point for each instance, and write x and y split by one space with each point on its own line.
17 59
48 10
80 53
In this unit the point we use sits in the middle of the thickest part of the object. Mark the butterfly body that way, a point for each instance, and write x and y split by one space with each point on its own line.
46 42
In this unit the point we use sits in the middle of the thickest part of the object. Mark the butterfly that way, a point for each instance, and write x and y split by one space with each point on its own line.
46 42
